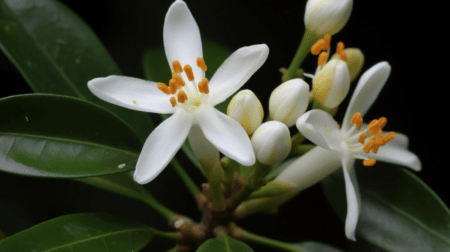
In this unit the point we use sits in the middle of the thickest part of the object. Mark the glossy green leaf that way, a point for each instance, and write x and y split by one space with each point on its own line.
157 69
310 246
59 136
57 53
399 212
224 243
83 232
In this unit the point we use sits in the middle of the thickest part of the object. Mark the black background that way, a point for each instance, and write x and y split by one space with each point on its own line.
415 101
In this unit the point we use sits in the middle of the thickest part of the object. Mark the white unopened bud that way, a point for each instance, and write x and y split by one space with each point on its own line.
246 109
327 16
271 142
332 83
355 61
289 101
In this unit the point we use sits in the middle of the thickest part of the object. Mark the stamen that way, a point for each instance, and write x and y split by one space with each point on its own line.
343 56
173 86
368 146
357 120
163 87
201 64
373 127
177 66
322 58
318 46
369 162
189 73
362 138
382 122
203 86
178 79
173 101
327 39
339 48
182 97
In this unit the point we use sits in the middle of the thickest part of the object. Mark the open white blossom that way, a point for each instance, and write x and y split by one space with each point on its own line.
339 147
190 97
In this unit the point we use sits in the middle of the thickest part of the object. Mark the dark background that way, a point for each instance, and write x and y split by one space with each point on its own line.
410 37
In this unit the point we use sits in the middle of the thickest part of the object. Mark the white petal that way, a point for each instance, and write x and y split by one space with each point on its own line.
352 205
162 144
320 128
235 71
131 93
206 153
181 37
366 92
225 134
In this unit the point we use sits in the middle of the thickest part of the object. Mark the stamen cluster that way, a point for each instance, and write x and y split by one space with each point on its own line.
322 48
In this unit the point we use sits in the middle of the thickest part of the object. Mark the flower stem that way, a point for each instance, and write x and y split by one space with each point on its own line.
246 236
191 186
303 50
173 236
158 207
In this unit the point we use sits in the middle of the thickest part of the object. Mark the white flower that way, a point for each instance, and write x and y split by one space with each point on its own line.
189 97
327 16
271 142
246 109
341 146
289 101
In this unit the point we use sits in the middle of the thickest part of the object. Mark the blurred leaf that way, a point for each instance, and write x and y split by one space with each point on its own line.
310 246
399 212
57 53
157 69
59 136
83 232
224 243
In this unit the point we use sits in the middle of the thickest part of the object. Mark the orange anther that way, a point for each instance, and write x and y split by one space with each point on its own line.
173 86
163 87
322 58
173 101
355 118
382 122
203 86
178 80
327 39
362 137
340 48
384 140
343 56
318 46
366 148
182 97
375 147
369 162
177 66
189 73
201 64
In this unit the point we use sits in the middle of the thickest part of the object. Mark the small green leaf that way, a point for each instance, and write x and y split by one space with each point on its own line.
57 53
59 136
224 243
399 212
83 232
310 246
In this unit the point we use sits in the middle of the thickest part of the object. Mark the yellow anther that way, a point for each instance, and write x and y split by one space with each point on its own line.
173 101
322 58
362 138
182 97
318 46
201 64
369 162
177 66
173 86
163 87
340 48
189 73
135 102
327 39
178 80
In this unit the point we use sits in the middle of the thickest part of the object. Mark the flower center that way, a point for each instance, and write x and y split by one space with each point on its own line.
357 140
181 94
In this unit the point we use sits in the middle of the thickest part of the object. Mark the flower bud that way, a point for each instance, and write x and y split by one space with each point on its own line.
289 101
246 109
273 189
332 83
327 16
355 61
271 142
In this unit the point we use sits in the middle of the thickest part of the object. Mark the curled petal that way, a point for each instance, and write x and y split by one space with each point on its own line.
225 134
366 92
320 128
161 146
236 70
352 205
182 39
131 93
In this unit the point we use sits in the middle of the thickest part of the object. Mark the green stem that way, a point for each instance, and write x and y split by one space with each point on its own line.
253 238
173 236
160 208
303 50
331 111
188 182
